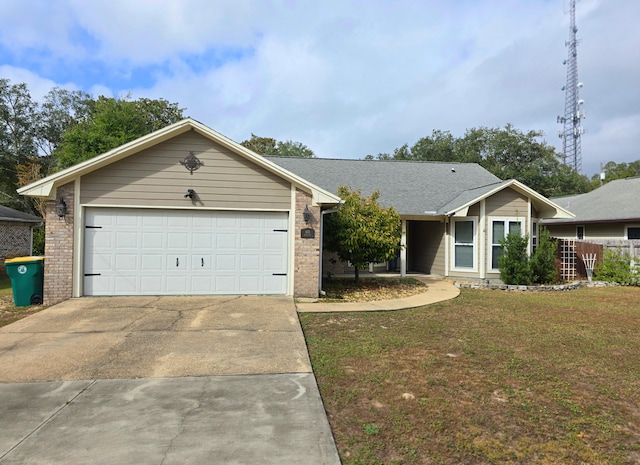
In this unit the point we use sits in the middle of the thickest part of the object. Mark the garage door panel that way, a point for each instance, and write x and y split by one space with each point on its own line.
126 284
250 242
127 262
127 240
152 240
155 252
226 285
226 241
152 262
226 263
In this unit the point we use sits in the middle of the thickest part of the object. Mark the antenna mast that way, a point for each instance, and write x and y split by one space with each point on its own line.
572 131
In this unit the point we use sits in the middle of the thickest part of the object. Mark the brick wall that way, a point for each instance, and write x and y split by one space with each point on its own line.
307 251
15 240
58 249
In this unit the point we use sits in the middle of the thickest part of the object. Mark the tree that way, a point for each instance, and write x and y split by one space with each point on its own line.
615 170
291 148
270 146
18 122
260 145
362 231
110 123
506 152
543 261
514 262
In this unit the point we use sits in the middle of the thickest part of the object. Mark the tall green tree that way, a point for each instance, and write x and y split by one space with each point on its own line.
269 146
110 123
362 231
615 170
507 152
18 123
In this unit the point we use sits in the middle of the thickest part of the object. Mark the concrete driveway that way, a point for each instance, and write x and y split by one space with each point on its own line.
161 380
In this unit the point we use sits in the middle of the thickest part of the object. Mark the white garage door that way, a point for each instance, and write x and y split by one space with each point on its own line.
171 252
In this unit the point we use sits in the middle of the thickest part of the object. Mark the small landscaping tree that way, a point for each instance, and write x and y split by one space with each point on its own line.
362 231
514 262
616 267
543 261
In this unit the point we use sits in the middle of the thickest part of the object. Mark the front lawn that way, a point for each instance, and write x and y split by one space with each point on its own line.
8 312
489 377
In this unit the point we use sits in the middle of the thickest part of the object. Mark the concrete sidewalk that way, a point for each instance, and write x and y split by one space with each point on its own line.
250 419
438 289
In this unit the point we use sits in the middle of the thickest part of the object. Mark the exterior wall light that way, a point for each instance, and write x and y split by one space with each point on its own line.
306 214
61 208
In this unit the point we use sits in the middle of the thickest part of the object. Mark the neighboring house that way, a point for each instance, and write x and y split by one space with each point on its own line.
453 214
185 210
610 213
16 233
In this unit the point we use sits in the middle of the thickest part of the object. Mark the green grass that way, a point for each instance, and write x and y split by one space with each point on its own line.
489 377
8 312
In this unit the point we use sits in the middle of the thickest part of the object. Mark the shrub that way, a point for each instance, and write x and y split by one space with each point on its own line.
514 262
543 261
616 267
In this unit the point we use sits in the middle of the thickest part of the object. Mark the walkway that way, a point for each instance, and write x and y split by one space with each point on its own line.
438 289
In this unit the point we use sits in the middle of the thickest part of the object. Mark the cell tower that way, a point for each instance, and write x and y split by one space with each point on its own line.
573 114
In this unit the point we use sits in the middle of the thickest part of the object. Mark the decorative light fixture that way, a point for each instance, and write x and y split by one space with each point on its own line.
190 194
61 208
306 214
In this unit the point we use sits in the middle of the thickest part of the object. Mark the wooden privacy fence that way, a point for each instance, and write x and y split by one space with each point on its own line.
572 254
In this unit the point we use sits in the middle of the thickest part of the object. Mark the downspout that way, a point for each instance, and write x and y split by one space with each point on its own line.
322 213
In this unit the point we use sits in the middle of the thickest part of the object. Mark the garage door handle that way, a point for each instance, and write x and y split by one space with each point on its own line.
202 261
279 274
177 262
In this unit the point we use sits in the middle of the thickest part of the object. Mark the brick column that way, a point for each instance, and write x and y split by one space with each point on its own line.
58 249
307 251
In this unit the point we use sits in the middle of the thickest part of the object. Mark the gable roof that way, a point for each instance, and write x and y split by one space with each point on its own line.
413 188
9 214
615 201
46 187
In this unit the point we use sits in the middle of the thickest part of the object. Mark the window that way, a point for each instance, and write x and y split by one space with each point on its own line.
464 236
633 232
579 232
534 236
500 227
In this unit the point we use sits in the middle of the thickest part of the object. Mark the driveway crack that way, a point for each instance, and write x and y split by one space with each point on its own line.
48 419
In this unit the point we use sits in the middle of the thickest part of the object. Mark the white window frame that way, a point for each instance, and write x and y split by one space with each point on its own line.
535 234
474 244
626 230
505 220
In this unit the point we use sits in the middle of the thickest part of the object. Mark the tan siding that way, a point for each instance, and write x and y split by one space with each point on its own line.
507 203
604 231
474 210
562 231
425 247
438 266
155 177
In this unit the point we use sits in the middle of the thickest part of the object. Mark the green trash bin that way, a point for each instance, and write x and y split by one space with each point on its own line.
26 275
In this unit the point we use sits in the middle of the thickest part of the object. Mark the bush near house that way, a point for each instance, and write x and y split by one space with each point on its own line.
517 268
617 267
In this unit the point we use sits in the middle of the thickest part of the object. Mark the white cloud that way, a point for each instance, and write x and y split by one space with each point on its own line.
347 78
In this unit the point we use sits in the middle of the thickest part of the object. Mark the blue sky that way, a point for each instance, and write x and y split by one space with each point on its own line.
348 78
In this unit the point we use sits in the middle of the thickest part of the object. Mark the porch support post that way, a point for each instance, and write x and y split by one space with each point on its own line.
403 250
482 239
